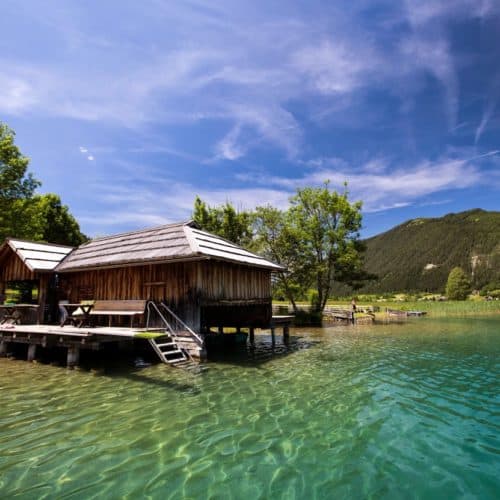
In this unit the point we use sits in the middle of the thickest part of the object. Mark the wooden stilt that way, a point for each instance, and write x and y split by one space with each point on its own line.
286 334
252 336
273 336
73 356
3 348
31 352
203 354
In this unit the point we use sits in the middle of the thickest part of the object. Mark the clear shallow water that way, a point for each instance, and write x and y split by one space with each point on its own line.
391 411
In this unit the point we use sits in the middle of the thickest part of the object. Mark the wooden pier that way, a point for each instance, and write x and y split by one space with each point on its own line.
75 339
72 338
400 313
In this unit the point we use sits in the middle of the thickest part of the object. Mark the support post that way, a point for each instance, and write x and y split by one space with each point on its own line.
3 348
286 334
273 336
31 352
73 356
252 336
42 296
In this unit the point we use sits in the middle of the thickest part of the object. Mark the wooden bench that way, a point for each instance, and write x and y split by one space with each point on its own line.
112 308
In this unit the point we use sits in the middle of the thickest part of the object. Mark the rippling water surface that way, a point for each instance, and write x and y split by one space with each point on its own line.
386 411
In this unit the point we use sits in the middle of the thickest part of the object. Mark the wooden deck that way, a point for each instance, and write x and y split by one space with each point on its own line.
72 338
71 331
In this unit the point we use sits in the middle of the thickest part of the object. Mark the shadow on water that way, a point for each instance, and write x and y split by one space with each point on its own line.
116 363
261 352
141 377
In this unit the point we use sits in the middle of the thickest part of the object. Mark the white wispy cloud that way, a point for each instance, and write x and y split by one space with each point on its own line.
17 95
489 108
334 67
434 56
377 180
151 200
228 148
232 63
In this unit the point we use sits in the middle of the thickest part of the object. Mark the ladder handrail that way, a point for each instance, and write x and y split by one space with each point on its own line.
193 334
171 329
148 306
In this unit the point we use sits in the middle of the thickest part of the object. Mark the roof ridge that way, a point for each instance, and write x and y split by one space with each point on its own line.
137 231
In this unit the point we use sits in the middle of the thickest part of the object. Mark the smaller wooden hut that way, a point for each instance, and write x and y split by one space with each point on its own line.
29 267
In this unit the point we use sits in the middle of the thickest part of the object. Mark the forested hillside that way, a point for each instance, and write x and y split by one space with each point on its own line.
419 254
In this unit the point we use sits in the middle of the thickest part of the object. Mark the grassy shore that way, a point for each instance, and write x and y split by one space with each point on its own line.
432 308
446 308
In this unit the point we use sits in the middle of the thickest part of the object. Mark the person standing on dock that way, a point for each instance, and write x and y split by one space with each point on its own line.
353 309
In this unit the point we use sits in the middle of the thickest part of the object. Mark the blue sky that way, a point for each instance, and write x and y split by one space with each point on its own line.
129 110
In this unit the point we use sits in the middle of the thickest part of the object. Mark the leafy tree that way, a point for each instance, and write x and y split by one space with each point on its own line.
458 285
15 183
56 224
316 240
327 226
277 239
224 221
24 214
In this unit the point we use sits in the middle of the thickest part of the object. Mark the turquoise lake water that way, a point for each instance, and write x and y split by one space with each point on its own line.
386 411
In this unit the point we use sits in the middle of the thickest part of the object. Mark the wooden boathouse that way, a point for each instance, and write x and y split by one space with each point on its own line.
201 281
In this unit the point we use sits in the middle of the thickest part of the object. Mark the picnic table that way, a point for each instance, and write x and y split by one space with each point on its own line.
68 316
13 312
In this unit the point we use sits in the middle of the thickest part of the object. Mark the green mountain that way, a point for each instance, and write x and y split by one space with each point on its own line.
419 254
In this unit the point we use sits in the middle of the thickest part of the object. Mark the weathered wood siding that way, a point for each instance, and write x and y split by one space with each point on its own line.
188 287
174 283
221 281
13 268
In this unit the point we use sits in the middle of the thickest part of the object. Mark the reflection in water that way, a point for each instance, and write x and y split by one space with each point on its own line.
387 411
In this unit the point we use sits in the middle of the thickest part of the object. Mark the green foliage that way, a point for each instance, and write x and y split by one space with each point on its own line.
458 285
307 318
224 221
24 214
52 222
419 254
16 185
315 240
278 240
327 227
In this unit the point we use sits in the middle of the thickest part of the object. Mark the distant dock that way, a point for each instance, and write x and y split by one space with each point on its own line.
399 313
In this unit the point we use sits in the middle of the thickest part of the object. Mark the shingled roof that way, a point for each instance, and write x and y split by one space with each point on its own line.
169 243
36 256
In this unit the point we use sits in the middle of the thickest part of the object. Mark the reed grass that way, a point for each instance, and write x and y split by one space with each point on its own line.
446 308
432 308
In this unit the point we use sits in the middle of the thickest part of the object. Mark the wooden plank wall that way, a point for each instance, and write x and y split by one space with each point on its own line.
13 269
221 281
173 283
188 287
